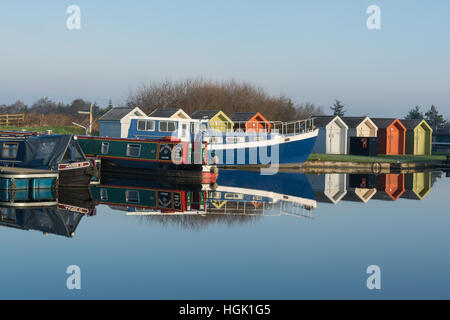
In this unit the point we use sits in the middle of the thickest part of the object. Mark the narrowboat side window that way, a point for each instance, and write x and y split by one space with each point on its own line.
105 147
133 150
235 139
103 194
10 150
167 126
146 125
132 196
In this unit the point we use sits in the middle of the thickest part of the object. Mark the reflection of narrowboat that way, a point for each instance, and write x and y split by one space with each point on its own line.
160 158
53 153
136 197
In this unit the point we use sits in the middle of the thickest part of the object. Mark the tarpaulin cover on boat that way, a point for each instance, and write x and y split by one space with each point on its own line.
44 152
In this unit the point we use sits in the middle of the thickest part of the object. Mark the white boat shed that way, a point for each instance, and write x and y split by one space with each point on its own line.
116 122
332 136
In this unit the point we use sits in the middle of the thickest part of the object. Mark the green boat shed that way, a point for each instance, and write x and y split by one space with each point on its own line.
419 137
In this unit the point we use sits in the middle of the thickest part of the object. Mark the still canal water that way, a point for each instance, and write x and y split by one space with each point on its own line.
291 236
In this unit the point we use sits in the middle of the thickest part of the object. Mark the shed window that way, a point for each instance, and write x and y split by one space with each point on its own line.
10 150
133 150
105 147
132 196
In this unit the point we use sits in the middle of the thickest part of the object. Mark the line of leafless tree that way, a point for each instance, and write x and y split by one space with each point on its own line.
229 96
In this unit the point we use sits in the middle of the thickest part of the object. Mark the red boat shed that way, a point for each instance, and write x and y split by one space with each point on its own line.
250 122
391 136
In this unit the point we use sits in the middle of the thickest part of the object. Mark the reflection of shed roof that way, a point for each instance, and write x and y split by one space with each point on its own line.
116 114
204 114
243 116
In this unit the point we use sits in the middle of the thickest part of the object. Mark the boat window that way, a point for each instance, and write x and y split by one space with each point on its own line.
133 150
183 129
167 126
141 125
216 140
193 128
132 196
103 194
105 147
10 150
235 139
150 125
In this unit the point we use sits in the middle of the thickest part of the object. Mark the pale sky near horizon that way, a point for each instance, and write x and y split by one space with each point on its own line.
312 51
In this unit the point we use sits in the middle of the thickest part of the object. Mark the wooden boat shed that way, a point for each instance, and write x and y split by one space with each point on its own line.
332 136
116 122
391 136
419 137
250 122
360 127
218 120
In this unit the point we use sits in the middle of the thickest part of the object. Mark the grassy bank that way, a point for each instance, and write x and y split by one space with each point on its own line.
54 129
380 158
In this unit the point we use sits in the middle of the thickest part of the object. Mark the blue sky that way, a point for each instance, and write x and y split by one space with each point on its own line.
310 50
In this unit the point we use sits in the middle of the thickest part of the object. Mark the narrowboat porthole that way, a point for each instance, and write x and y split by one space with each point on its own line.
10 150
132 196
103 194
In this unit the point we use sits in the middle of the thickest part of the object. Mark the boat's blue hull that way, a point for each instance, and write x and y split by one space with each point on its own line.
289 151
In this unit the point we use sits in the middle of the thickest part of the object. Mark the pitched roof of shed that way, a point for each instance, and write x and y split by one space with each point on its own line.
116 114
353 122
204 114
242 116
412 124
383 122
164 112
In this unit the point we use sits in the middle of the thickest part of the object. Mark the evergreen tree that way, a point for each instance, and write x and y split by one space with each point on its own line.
338 108
434 119
415 114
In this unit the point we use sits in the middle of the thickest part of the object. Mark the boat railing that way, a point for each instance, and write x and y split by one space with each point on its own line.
280 127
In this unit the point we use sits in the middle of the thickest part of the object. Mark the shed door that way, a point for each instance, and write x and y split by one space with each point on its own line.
419 140
394 140
334 139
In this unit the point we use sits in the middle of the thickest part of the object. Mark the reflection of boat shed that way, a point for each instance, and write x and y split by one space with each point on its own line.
217 119
250 122
419 137
391 136
361 187
332 136
360 127
330 188
417 185
390 187
171 113
116 122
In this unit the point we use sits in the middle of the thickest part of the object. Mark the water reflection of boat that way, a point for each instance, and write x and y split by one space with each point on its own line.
329 188
279 194
46 211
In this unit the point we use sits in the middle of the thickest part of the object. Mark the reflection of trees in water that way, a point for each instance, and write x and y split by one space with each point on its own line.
435 176
198 222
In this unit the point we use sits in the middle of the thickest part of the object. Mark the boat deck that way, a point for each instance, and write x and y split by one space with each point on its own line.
26 173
